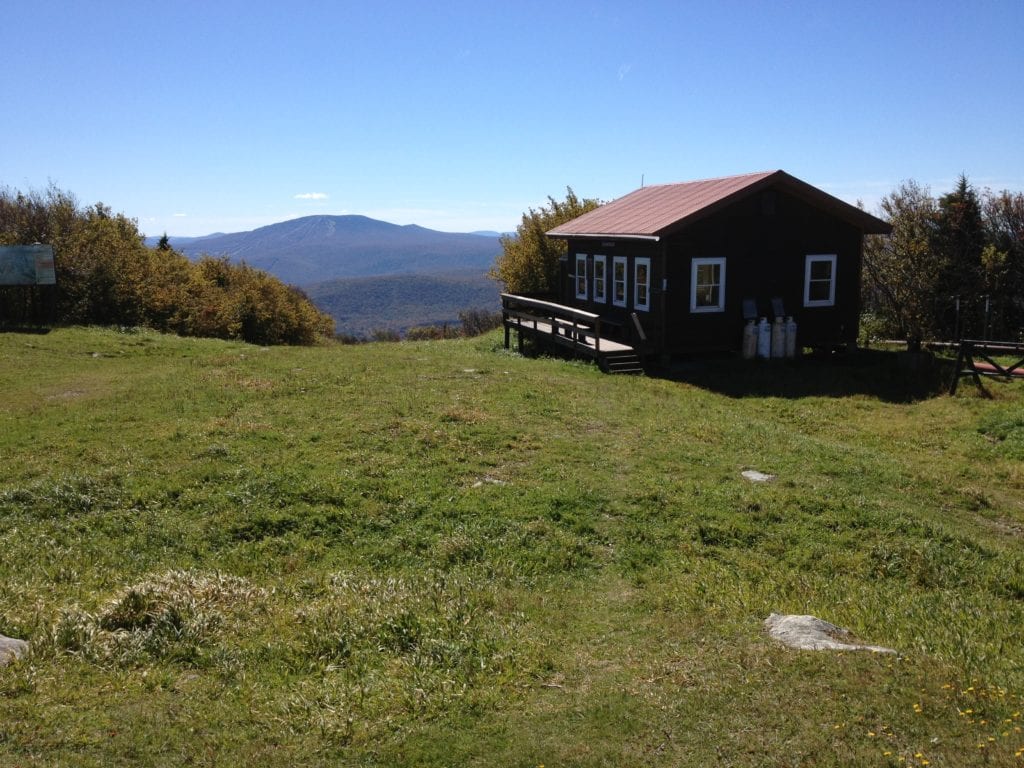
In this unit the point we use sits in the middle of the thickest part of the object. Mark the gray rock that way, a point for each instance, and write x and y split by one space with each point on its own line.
757 477
11 649
813 634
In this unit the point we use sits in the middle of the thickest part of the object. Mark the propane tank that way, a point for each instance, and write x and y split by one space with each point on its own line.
778 338
764 339
790 337
749 340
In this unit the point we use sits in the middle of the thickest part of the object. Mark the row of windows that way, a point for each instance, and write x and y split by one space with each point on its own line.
707 282
619 281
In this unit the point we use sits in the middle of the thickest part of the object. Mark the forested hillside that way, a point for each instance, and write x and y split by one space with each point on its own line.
362 305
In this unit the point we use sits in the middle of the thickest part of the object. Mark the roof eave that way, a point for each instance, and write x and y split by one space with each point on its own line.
556 235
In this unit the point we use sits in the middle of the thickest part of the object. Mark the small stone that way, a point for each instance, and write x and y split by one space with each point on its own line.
11 649
810 633
757 477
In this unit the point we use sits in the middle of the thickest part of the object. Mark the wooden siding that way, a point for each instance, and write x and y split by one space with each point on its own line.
618 321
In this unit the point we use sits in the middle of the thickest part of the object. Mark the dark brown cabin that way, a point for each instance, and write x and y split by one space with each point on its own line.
678 268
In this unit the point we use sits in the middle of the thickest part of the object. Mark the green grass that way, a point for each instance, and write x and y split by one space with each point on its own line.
440 553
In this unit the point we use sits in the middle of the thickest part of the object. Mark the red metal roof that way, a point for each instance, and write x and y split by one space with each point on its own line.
654 211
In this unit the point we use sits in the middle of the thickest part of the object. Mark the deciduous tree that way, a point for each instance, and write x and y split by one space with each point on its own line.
901 270
528 263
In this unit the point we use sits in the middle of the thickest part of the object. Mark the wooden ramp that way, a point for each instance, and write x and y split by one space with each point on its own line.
567 327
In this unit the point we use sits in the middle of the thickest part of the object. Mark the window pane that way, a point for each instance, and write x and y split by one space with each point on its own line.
707 274
641 273
821 270
819 290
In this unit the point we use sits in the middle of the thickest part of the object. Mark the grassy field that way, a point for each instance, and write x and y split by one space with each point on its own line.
444 554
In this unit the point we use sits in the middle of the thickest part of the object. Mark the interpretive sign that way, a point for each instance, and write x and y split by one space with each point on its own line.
27 265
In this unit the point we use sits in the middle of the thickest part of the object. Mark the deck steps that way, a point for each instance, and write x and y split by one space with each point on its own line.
621 362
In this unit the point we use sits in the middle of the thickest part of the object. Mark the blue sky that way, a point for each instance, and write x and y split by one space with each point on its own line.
196 117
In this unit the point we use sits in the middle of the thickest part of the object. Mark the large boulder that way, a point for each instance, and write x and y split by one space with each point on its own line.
813 634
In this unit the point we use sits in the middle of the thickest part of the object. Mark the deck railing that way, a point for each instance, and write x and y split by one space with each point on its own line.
567 324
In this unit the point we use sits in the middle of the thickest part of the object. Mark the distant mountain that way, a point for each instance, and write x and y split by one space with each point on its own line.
318 248
176 242
361 305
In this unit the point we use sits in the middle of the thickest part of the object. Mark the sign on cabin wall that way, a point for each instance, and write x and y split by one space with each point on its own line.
27 265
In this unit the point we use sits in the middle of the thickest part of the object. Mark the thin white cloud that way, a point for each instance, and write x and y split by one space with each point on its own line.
312 196
180 215
624 70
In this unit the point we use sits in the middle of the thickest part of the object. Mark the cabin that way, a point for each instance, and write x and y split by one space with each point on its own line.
680 268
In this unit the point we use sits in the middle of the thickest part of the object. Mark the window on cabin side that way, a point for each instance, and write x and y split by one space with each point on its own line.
642 284
581 276
619 281
820 280
600 292
707 285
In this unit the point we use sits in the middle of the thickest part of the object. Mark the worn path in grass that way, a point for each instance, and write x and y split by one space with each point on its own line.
440 553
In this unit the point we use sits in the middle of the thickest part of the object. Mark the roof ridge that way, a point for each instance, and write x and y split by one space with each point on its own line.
713 178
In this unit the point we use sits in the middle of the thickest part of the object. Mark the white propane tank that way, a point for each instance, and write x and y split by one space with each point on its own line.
749 340
764 339
778 338
790 338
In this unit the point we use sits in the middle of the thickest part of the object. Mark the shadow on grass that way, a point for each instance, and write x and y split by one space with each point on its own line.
889 376
41 330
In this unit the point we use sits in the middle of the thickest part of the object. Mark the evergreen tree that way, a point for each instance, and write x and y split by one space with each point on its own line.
959 242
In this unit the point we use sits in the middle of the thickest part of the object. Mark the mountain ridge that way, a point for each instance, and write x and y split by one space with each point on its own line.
317 248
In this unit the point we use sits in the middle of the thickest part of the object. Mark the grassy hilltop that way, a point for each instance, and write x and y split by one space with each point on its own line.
440 553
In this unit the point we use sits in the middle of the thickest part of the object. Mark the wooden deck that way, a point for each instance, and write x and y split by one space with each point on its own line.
567 327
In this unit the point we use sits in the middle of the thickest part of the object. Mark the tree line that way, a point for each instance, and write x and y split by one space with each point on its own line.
106 275
952 268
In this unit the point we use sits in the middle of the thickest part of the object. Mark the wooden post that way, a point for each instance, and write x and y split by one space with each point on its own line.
956 370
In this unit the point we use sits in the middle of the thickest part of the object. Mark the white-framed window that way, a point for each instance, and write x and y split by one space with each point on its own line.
820 280
619 280
581 276
707 285
600 279
642 284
